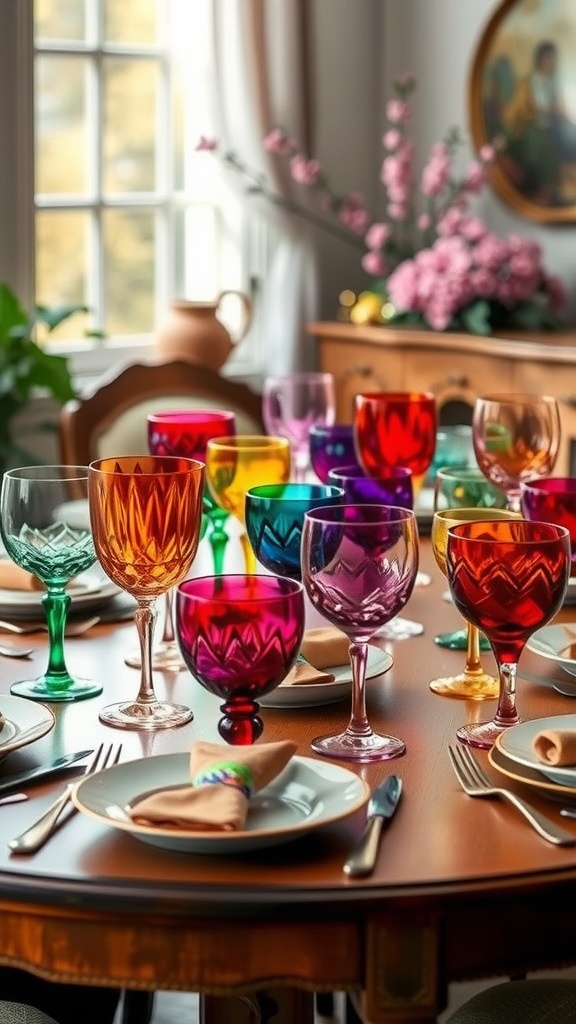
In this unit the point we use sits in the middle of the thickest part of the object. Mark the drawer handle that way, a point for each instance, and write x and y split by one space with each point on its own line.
458 380
568 400
365 371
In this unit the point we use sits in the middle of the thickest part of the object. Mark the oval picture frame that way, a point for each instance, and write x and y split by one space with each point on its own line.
522 92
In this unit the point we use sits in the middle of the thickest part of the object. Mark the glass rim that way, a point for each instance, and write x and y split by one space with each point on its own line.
194 415
398 513
271 582
556 532
71 472
106 465
253 441
325 491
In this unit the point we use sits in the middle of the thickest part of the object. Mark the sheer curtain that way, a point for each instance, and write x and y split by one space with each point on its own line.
263 79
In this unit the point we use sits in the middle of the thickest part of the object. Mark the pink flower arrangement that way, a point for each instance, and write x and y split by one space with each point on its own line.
435 262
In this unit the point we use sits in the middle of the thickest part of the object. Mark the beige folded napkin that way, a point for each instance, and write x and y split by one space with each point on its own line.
223 779
320 649
13 577
555 746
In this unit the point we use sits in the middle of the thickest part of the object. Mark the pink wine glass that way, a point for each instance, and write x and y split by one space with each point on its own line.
292 404
359 565
508 577
240 636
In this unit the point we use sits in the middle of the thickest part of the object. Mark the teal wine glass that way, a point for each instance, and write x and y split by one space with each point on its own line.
274 520
39 541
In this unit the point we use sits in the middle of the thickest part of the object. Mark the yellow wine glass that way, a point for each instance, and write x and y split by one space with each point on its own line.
473 683
235 464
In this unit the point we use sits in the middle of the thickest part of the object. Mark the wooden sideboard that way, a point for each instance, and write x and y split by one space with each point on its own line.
456 367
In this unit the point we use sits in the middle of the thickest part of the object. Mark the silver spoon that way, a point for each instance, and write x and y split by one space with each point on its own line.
15 652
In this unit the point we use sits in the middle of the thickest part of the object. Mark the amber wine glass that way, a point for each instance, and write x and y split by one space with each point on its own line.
146 513
515 437
473 683
509 578
235 464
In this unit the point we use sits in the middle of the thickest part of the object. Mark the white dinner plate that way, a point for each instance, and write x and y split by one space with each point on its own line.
557 643
26 721
530 777
306 795
516 744
89 591
304 695
570 598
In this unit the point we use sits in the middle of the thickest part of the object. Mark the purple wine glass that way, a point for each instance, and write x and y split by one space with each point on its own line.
552 499
393 488
331 445
239 636
359 565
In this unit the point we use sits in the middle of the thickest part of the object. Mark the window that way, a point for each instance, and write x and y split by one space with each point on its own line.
121 212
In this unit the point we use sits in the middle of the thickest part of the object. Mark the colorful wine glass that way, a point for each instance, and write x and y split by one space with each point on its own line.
508 577
185 432
331 445
240 636
396 428
146 514
552 500
454 448
473 683
515 436
274 520
292 404
359 565
464 488
37 537
392 488
235 464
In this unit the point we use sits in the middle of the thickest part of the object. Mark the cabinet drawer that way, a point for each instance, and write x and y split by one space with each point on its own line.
456 379
356 368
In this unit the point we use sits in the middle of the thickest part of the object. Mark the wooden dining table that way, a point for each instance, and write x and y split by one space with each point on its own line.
462 889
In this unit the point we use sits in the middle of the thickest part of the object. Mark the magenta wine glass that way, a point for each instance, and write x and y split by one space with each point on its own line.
359 565
393 488
291 405
552 499
239 636
508 577
331 445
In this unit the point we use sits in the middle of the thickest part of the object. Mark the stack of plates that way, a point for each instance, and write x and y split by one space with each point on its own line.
557 643
512 755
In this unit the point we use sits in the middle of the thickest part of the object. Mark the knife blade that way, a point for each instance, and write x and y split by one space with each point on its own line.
42 770
381 808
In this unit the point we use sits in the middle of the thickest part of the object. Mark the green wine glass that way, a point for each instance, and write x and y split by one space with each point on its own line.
36 538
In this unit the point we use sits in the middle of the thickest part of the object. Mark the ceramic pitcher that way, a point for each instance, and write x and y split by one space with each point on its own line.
193 331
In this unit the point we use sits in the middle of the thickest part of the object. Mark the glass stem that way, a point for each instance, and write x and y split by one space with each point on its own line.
145 618
514 501
218 539
168 629
249 556
358 724
473 663
56 604
506 713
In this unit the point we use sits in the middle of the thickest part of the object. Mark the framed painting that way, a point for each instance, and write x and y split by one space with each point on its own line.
522 93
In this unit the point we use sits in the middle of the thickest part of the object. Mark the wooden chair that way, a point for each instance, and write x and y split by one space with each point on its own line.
109 417
21 1013
521 1002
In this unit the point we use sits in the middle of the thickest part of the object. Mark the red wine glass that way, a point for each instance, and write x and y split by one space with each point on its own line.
359 565
239 636
508 577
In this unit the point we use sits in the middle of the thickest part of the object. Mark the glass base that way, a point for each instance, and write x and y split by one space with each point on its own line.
482 736
156 715
400 628
467 686
457 640
165 657
349 747
41 689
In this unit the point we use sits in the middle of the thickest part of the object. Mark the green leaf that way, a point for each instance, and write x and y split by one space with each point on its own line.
475 318
56 315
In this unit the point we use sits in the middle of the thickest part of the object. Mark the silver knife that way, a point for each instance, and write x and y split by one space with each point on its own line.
381 807
42 770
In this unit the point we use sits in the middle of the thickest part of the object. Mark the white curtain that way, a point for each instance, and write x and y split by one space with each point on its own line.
263 80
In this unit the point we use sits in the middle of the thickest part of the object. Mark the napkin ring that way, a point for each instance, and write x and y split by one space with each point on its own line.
227 773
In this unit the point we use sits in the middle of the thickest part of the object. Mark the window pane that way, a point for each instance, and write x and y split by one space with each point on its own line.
61 273
131 107
131 21
129 244
59 20
61 145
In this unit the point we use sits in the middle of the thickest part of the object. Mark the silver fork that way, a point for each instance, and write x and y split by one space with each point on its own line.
34 837
475 782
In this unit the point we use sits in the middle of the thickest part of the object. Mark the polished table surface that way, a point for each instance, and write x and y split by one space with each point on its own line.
462 887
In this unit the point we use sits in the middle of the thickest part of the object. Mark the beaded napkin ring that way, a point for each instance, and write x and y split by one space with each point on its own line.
227 773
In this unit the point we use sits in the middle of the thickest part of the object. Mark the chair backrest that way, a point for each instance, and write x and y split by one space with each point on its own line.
20 1013
109 418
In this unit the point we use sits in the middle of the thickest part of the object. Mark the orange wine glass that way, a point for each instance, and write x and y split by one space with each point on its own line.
235 464
146 513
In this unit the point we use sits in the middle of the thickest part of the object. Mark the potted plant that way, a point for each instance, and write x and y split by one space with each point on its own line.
25 367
